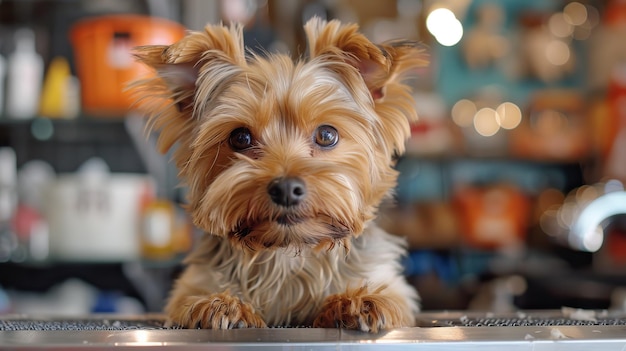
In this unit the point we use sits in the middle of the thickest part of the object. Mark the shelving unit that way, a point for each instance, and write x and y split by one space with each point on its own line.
66 144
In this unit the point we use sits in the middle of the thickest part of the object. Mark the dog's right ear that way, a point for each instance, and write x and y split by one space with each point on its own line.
188 74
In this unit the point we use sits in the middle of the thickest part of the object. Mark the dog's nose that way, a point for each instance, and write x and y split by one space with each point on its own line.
287 191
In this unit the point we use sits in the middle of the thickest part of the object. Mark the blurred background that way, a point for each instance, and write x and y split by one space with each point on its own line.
511 193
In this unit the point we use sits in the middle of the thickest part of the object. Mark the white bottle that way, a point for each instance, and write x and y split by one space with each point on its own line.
8 185
24 76
3 69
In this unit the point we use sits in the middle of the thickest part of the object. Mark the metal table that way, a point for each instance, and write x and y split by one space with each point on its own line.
539 330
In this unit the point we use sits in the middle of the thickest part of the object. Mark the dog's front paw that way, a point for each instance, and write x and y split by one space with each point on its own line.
215 311
358 309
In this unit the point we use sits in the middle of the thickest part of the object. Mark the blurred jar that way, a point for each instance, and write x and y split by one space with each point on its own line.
157 232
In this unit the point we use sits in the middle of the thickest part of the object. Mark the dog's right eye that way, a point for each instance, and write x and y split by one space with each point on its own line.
326 136
240 139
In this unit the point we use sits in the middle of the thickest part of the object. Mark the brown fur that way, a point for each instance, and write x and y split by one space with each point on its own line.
323 262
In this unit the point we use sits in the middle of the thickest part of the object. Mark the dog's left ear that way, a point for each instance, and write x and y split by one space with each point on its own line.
189 73
377 64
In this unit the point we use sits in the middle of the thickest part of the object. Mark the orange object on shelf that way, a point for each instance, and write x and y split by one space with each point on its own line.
102 49
493 217
615 13
557 128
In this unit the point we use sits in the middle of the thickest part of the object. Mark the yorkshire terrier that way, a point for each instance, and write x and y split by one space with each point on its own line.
286 164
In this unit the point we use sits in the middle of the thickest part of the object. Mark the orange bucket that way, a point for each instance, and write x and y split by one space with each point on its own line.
104 63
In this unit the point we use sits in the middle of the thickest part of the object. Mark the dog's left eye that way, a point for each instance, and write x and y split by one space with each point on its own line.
240 139
326 136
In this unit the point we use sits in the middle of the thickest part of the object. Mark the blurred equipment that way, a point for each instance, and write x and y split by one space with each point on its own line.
94 215
485 43
73 298
102 47
432 133
544 54
29 223
615 162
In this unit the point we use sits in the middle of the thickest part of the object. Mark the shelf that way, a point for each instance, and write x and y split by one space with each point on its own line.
66 144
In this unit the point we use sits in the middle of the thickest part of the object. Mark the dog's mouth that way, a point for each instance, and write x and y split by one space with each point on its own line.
283 221
289 220
290 229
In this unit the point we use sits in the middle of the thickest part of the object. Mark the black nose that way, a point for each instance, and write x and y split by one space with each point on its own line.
288 191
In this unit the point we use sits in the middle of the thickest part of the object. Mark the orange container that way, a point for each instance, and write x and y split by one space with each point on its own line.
104 63
493 217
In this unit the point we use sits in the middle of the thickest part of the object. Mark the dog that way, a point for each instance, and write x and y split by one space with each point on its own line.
286 163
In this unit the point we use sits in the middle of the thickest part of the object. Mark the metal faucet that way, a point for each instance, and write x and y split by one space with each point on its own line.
586 233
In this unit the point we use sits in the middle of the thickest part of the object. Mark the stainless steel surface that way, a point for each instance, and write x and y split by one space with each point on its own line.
492 338
431 336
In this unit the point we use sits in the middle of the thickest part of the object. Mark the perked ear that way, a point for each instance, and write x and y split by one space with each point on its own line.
382 67
188 74
377 64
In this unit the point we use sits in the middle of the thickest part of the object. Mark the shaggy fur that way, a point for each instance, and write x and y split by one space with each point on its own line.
242 122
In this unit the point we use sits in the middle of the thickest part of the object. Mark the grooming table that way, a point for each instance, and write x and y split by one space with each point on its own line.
538 330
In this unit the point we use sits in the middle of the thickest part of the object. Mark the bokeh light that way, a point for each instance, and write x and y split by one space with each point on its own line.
444 26
463 113
559 26
509 115
486 122
558 52
575 13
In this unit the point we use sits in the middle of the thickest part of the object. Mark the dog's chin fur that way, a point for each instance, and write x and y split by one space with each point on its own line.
320 261
290 231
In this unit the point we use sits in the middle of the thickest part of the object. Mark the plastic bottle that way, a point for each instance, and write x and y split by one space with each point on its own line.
157 236
24 78
60 95
3 68
8 202
53 99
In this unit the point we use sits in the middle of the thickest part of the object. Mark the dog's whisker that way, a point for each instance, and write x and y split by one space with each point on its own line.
217 155
248 82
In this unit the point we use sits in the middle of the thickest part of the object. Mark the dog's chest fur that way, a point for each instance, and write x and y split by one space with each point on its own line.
287 287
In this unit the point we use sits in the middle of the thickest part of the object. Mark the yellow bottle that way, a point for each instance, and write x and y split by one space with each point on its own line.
57 88
158 230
